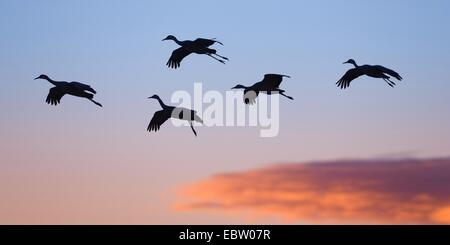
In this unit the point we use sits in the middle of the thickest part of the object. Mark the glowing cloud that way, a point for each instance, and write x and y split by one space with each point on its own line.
358 191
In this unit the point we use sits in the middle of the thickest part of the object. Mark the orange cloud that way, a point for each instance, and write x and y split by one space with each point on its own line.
409 191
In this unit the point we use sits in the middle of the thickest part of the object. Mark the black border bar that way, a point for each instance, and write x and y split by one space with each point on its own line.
223 234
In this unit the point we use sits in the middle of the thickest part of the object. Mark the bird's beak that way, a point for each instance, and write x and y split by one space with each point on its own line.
36 78
345 62
164 39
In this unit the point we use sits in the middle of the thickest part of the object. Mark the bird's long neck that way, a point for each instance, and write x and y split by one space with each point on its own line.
177 41
52 81
354 63
164 106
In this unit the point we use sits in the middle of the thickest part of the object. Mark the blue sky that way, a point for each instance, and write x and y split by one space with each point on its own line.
116 47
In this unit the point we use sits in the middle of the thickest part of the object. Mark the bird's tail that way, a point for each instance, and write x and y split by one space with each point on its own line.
91 90
390 72
88 96
398 77
286 76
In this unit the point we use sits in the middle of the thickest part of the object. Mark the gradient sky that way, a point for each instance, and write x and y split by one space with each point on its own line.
77 163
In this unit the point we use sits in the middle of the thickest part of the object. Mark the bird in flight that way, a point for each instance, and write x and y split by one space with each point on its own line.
375 71
198 46
72 88
172 112
268 85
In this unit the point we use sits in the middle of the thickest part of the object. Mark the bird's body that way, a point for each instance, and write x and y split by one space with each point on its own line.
375 71
198 46
172 112
71 88
270 84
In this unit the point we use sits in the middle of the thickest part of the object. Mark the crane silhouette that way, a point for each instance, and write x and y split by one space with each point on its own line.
73 88
172 112
268 85
375 71
198 46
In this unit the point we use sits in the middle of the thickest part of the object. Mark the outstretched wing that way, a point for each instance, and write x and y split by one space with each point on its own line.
389 72
177 56
272 81
206 42
54 96
83 86
158 119
349 76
